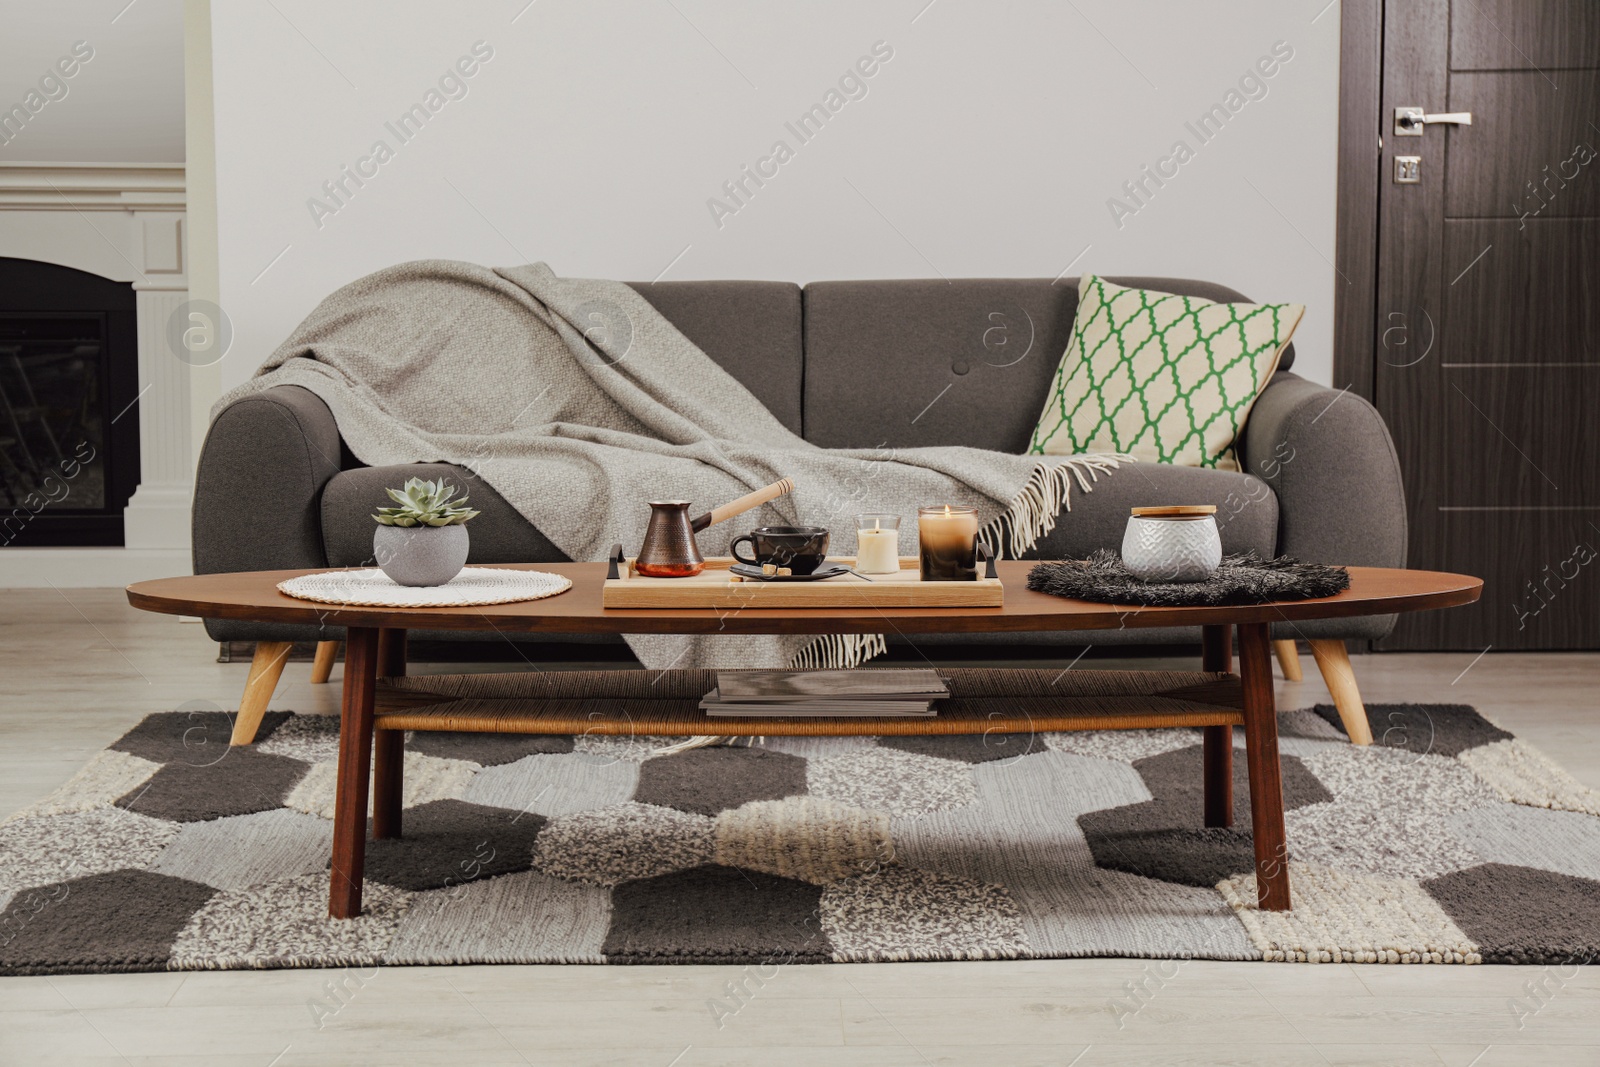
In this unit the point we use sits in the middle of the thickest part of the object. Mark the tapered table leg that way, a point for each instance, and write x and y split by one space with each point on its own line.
388 754
1266 775
1217 655
355 765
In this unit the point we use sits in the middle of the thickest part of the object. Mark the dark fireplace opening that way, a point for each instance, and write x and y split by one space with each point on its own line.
69 424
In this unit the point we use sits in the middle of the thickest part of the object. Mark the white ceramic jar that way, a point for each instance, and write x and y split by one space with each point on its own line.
1172 544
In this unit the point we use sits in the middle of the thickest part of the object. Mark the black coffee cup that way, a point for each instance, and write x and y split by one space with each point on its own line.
800 548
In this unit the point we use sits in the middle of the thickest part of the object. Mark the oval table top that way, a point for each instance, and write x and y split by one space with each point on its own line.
253 596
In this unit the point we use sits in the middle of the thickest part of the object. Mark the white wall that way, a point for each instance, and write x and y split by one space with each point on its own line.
989 145
123 105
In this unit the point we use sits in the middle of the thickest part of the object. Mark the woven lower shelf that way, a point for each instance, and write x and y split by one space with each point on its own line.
666 703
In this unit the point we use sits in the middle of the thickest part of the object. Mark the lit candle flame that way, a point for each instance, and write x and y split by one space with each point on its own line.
947 511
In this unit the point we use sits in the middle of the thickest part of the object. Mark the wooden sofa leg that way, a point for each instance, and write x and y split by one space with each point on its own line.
1288 660
1334 662
265 669
322 666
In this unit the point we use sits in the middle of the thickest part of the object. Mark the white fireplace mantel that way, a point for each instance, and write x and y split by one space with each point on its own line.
91 187
126 222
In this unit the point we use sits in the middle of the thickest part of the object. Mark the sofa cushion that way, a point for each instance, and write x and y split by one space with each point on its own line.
499 534
1161 377
1247 510
933 362
751 329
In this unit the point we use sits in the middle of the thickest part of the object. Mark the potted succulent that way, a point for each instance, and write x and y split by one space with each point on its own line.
422 540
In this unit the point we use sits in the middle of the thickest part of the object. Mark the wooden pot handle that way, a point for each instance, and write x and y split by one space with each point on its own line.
743 504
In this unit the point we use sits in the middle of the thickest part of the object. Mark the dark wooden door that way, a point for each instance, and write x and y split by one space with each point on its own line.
1488 308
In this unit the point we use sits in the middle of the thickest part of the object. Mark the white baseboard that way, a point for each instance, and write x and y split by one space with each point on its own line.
81 568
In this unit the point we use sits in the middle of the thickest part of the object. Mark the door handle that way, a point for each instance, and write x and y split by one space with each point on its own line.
1410 121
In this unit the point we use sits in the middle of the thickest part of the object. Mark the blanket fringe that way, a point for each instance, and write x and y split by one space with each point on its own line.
831 651
701 741
1032 515
1046 495
838 651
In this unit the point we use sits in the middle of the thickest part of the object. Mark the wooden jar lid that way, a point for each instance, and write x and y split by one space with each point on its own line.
1176 511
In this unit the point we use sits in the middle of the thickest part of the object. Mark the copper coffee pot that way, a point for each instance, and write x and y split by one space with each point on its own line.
669 550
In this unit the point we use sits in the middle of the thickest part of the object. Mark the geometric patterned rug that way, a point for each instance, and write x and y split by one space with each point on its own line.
1447 841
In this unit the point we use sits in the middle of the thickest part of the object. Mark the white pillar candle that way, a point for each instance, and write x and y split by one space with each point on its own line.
878 551
877 544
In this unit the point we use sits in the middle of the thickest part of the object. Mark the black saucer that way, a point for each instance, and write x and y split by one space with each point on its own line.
827 570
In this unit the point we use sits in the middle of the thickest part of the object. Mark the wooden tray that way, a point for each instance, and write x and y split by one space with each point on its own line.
714 587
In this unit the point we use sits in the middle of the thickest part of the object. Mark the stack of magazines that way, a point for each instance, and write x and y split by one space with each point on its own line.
873 693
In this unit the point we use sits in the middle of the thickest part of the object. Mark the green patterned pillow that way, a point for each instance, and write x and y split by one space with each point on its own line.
1163 378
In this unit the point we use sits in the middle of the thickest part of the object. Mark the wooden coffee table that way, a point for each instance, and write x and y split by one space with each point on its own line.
375 647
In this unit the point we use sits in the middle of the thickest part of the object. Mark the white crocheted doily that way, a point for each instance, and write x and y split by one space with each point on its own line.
474 585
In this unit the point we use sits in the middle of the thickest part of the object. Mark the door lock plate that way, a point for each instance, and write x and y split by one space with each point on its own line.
1408 122
1407 170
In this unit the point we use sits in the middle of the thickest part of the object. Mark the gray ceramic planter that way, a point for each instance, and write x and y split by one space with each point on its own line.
420 555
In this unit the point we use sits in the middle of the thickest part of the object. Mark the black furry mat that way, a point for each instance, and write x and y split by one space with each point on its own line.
1243 579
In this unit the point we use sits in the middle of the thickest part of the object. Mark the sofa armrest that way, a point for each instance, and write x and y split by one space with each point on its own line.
259 484
1328 456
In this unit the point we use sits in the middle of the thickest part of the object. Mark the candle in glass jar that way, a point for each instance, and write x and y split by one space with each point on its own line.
947 543
878 544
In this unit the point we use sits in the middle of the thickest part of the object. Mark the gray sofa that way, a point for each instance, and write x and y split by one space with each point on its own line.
962 362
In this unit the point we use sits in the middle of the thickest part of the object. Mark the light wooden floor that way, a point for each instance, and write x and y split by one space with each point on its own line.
80 667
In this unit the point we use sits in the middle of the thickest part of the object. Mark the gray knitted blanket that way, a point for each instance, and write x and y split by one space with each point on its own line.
578 402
